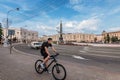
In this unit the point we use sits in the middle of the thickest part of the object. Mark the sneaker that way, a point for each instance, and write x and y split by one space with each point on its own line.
49 72
42 65
46 70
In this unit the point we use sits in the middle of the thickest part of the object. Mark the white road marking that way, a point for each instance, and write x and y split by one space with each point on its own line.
78 57
82 51
86 48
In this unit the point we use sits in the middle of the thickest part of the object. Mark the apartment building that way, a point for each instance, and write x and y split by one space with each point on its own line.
21 34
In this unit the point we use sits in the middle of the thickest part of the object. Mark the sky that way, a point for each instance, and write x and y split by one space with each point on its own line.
77 16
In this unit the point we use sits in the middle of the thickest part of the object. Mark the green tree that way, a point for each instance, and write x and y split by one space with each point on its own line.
114 39
1 32
107 38
95 39
14 39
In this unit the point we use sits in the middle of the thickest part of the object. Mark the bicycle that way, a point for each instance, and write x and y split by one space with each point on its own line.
57 69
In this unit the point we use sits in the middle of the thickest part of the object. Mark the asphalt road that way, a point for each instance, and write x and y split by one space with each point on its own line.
104 57
81 63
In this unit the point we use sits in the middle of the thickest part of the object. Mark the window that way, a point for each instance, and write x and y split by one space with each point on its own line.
17 32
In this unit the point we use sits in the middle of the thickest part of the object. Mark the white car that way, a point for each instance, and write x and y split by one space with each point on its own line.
36 45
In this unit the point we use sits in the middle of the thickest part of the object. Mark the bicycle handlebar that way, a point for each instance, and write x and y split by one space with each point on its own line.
53 56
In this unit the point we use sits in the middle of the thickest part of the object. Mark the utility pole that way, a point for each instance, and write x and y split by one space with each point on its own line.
1 33
6 37
61 33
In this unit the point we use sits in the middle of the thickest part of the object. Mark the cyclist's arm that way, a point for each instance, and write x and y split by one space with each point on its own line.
46 50
53 49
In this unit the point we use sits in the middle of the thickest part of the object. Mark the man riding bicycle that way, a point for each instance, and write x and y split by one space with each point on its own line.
45 53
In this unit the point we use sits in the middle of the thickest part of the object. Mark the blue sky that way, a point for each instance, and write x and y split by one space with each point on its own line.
78 16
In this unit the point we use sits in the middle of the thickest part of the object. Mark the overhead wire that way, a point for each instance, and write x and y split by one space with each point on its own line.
46 7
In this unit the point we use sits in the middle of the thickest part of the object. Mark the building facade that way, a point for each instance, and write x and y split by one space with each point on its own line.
21 34
111 34
99 38
71 37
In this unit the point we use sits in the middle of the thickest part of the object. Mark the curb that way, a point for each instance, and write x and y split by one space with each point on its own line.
18 51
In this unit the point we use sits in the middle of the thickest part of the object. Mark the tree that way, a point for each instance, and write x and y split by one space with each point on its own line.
114 39
1 32
95 39
108 38
14 39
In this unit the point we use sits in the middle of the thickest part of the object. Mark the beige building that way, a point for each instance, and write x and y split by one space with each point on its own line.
71 37
99 38
111 34
21 34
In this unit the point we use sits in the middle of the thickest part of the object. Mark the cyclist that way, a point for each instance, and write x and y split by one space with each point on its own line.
45 53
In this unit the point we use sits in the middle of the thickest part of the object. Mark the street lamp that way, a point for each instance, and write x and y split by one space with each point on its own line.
6 37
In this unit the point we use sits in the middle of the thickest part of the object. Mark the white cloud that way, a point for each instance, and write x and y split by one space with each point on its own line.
75 1
78 8
45 27
91 24
75 5
25 7
2 18
46 30
114 11
114 29
70 24
6 7
2 15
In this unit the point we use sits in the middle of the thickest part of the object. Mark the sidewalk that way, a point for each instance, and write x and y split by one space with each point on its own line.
18 66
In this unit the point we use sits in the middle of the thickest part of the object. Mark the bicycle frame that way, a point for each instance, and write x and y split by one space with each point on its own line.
54 60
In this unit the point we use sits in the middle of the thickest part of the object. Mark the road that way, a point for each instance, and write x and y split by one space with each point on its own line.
90 63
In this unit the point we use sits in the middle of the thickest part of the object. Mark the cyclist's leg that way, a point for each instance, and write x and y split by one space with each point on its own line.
46 64
45 56
45 60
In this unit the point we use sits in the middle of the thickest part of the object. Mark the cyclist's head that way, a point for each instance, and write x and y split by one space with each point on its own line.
49 40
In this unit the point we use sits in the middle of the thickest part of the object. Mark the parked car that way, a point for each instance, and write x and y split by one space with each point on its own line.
35 45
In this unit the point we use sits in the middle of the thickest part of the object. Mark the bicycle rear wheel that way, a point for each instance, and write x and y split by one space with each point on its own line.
38 67
59 72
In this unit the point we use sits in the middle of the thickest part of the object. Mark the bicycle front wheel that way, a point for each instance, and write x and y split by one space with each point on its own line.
59 72
38 67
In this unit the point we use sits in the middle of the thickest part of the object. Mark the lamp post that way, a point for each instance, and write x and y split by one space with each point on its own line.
7 26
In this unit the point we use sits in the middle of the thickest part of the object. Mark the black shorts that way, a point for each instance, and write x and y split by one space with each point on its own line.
44 54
